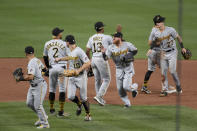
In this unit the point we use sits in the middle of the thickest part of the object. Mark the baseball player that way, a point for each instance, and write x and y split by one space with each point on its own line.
38 87
153 60
78 62
122 53
56 48
99 66
167 35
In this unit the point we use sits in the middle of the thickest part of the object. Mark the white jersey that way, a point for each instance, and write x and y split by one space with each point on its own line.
96 41
167 37
55 48
80 58
35 67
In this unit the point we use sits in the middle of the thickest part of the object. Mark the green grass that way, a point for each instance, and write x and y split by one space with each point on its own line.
29 22
15 116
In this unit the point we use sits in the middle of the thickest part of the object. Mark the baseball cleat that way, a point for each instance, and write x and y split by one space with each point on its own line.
127 106
88 117
61 114
171 89
134 93
52 112
99 100
43 126
37 123
78 111
145 90
163 93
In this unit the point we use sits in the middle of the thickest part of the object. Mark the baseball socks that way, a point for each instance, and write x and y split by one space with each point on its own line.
78 102
51 102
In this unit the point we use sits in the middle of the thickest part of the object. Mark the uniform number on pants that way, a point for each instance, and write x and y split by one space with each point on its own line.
97 47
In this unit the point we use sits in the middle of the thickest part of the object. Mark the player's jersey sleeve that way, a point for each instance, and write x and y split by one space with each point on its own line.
108 52
89 44
83 57
151 36
110 40
31 68
173 33
131 47
45 52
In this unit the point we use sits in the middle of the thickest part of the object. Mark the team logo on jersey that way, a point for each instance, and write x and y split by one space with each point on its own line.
119 53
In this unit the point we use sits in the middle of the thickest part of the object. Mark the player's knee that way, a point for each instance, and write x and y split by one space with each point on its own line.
173 72
62 96
71 97
84 99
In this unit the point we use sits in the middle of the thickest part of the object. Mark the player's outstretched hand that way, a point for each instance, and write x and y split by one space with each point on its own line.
119 28
184 50
149 52
103 49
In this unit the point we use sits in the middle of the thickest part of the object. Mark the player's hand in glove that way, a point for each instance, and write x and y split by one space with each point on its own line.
18 74
71 73
186 53
90 72
45 72
127 58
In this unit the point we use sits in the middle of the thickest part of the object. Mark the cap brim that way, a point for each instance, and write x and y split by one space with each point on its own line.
62 30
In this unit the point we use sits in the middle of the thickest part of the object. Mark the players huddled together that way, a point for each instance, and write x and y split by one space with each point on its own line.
68 66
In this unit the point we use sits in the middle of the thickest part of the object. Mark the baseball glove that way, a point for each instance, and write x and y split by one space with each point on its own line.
45 72
18 74
187 55
127 58
70 73
90 72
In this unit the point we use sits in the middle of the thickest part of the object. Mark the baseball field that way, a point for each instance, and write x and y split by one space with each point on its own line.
29 22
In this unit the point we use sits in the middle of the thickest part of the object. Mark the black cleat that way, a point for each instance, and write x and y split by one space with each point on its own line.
134 93
78 111
52 111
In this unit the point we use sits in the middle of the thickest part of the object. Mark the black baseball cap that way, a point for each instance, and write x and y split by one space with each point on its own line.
56 31
29 50
118 34
158 19
70 39
98 26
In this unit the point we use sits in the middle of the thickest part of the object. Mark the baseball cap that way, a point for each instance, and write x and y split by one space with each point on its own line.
98 26
118 34
56 31
29 50
158 19
70 39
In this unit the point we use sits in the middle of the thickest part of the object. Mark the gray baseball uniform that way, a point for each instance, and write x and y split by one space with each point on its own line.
154 56
168 54
79 81
37 90
56 48
124 72
100 67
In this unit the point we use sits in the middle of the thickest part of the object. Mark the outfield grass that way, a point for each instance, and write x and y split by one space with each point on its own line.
15 116
29 22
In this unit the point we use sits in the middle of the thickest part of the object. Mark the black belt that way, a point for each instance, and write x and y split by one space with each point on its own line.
169 50
36 84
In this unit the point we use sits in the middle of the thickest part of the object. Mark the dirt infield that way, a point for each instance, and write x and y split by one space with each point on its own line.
12 91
